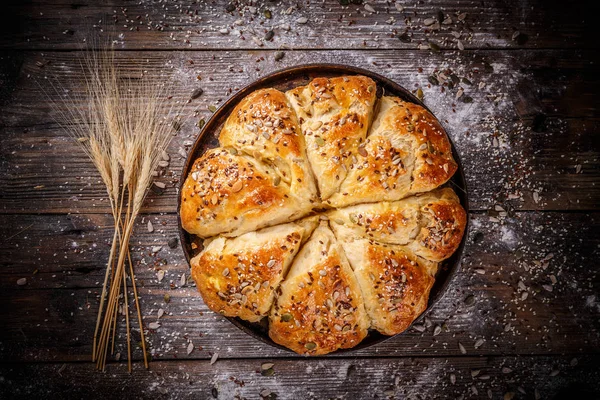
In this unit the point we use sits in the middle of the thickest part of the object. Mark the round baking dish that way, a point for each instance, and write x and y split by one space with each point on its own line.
290 78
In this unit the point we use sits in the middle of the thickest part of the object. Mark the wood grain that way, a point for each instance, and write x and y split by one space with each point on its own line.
395 378
506 150
63 24
61 257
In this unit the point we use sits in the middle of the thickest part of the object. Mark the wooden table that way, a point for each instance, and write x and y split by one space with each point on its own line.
521 318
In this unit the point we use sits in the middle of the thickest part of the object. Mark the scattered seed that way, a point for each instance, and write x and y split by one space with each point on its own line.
319 140
153 325
419 328
197 93
266 366
267 14
574 362
478 343
182 280
462 348
212 108
190 348
160 313
214 358
160 275
279 55
160 185
287 317
269 35
302 20
22 281
156 249
452 379
437 330
433 80
469 300
173 242
369 8
310 346
506 370
419 94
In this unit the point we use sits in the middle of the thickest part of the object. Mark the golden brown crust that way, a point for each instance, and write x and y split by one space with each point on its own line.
431 224
264 126
238 277
319 308
406 152
394 283
335 114
233 194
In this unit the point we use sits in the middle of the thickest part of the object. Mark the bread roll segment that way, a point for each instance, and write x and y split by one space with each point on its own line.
233 194
319 307
237 277
394 283
406 152
334 114
431 224
264 126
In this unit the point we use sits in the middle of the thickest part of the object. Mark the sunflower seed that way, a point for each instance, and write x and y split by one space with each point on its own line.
190 348
214 358
22 281
452 379
437 330
159 185
156 249
160 313
302 20
150 227
197 93
279 55
462 348
182 280
428 21
369 8
160 275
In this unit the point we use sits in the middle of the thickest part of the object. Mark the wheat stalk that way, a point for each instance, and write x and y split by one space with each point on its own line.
122 129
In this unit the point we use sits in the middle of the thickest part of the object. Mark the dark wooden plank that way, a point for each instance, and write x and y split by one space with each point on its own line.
397 378
52 317
531 140
62 24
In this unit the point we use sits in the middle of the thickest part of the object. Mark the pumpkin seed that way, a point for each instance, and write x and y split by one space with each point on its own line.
310 346
433 80
287 317
319 140
212 108
201 123
267 14
269 35
237 186
419 94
